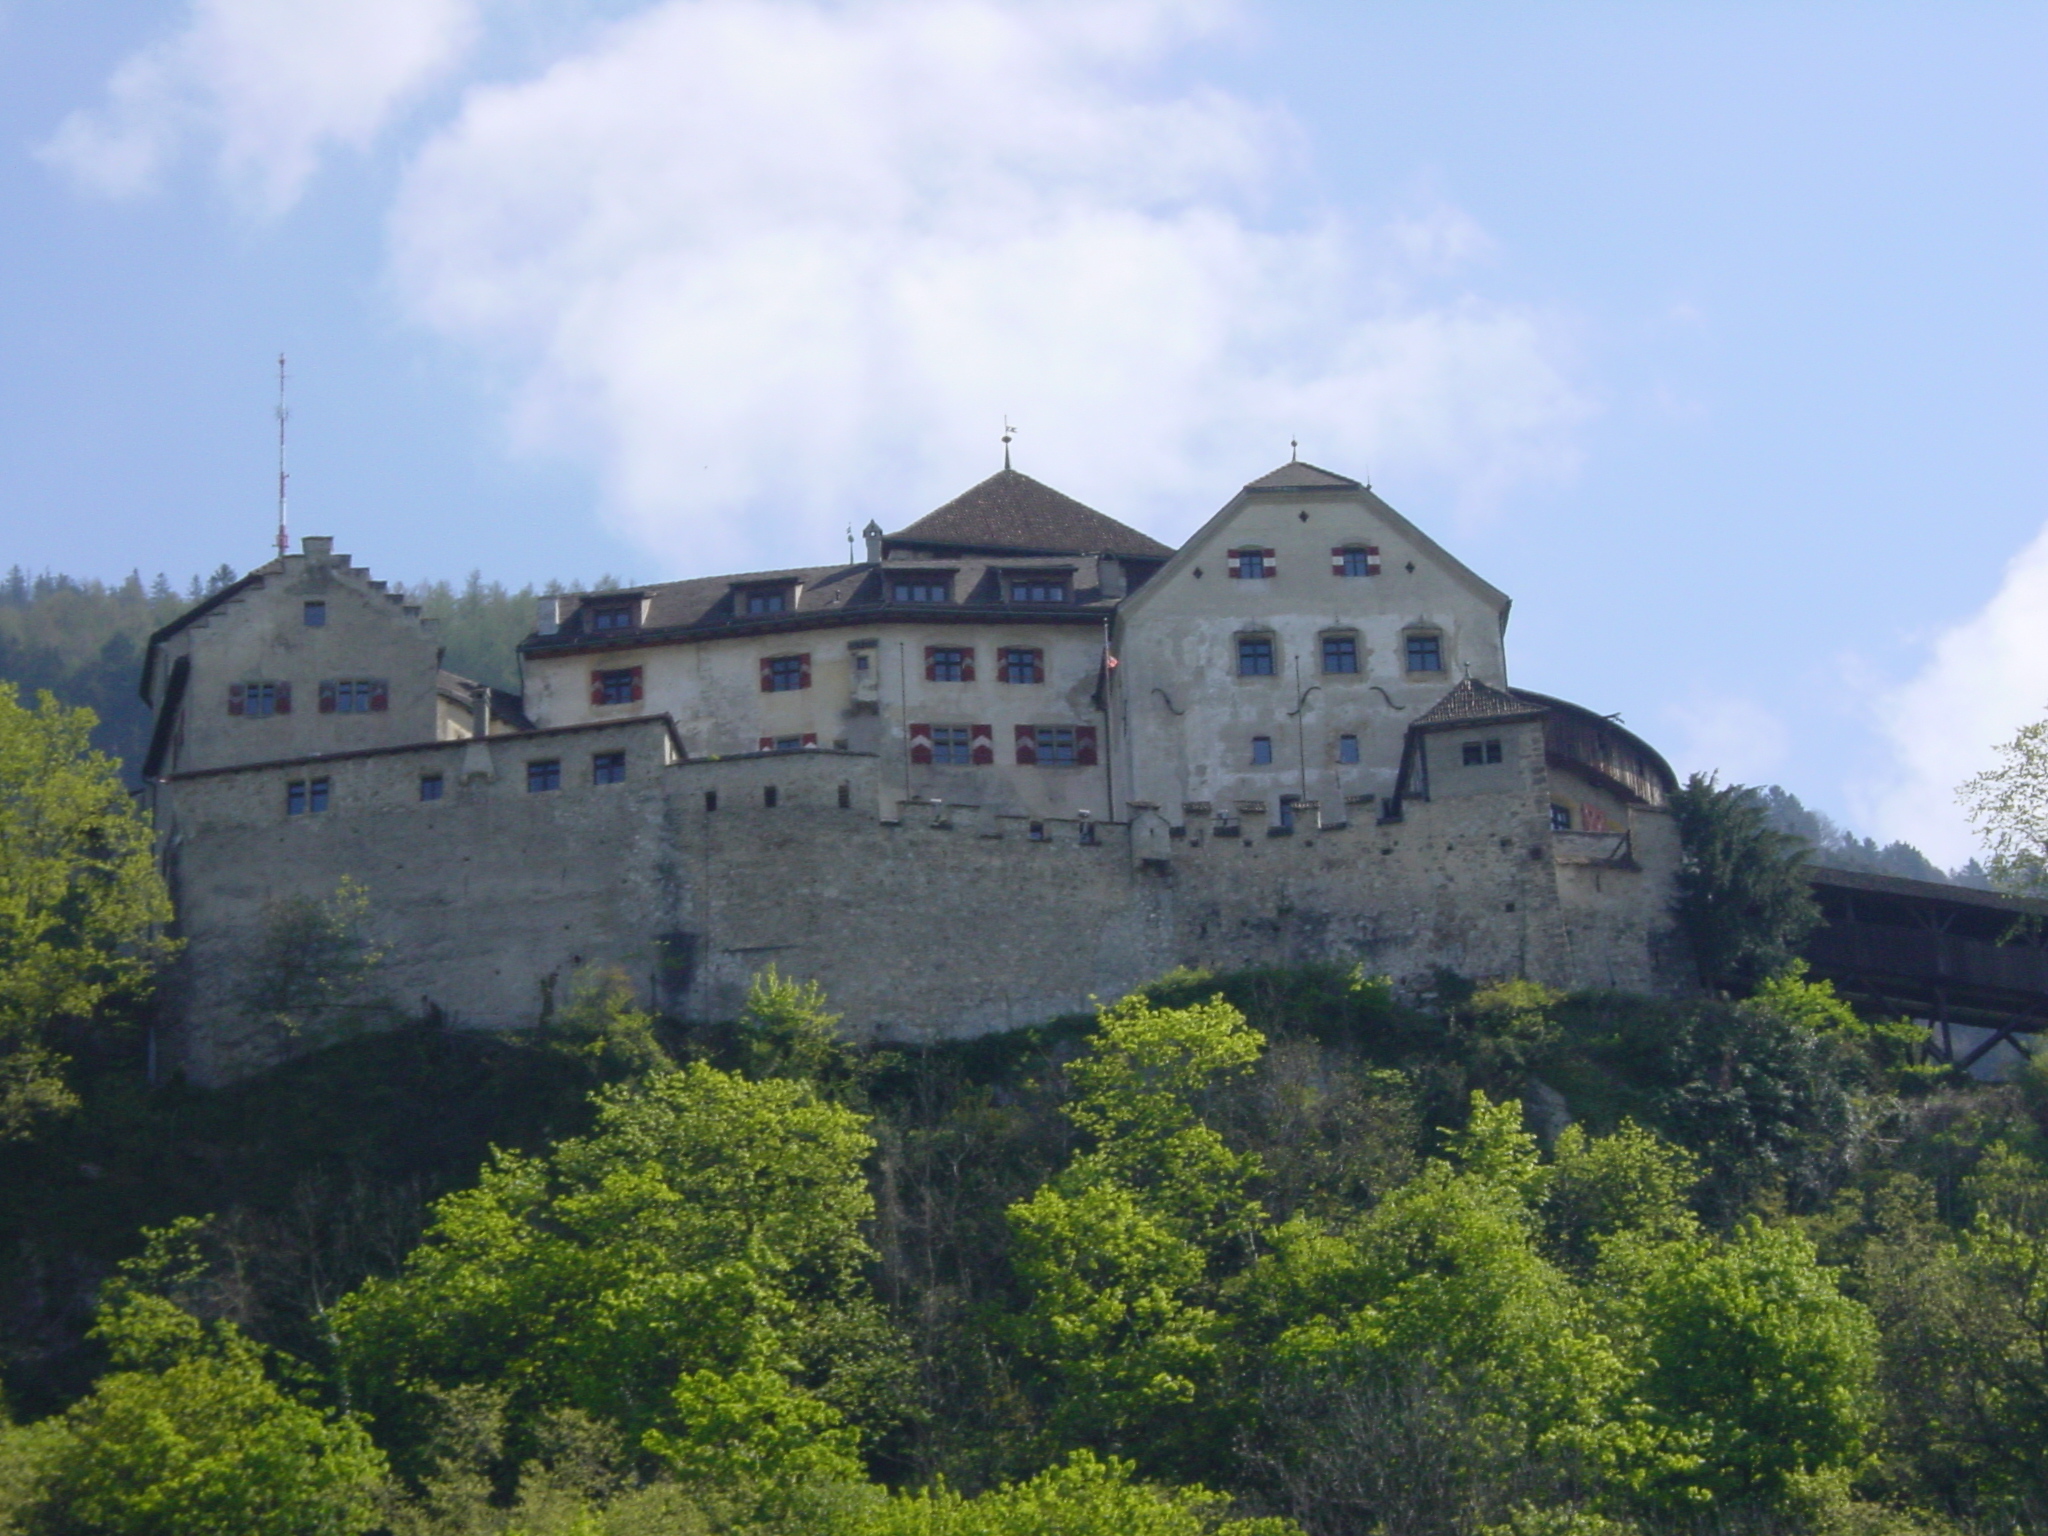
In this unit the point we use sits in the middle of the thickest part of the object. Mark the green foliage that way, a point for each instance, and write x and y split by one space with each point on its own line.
1757 1372
310 976
1081 1497
2008 807
81 904
189 1436
1742 895
604 1032
703 1216
1630 1184
786 1030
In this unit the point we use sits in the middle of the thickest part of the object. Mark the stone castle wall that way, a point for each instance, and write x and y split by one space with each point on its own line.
920 920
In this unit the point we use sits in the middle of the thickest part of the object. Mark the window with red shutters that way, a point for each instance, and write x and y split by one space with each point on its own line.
781 674
234 698
810 738
1355 560
1027 745
921 742
1084 745
984 745
767 744
1020 664
1253 564
616 685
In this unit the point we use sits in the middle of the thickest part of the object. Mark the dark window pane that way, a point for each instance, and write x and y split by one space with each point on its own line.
1425 653
430 786
608 768
316 795
1262 750
785 673
1340 653
543 776
316 615
1255 657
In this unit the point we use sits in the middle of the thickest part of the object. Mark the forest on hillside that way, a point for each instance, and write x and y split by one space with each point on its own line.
1272 1253
83 640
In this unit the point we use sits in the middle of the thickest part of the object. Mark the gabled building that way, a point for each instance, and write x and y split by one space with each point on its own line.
1020 756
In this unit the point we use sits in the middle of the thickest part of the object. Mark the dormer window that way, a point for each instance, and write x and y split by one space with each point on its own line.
1038 589
922 589
762 600
613 616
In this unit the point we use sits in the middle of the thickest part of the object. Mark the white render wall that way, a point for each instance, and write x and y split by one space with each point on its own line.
1186 719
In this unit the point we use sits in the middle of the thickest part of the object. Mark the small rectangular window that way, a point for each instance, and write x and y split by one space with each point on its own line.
617 685
1262 751
1340 653
923 589
260 699
1425 653
952 744
1347 749
430 786
352 697
784 674
767 601
1022 664
947 664
605 616
1355 560
1038 589
1477 753
608 768
316 795
544 775
1255 656
1055 745
787 744
316 614
845 797
710 799
1560 818
1252 564
295 798
771 796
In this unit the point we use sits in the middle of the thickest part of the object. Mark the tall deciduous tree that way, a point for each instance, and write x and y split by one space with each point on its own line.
1742 894
81 904
2008 806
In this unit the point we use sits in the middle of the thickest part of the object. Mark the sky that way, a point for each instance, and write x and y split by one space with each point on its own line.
1712 334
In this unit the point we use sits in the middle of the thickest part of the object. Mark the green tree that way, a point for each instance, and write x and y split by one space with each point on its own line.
81 904
1742 895
1120 1253
2008 806
189 1436
311 974
1081 1497
1758 1374
707 1223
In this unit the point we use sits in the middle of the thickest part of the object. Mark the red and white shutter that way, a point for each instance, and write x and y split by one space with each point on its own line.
931 663
638 691
967 664
810 738
1027 746
1038 666
597 684
1084 745
767 743
235 698
1271 560
1236 563
984 747
803 670
920 742
767 675
284 698
327 698
380 697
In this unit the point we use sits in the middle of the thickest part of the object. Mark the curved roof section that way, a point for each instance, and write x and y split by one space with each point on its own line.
1011 513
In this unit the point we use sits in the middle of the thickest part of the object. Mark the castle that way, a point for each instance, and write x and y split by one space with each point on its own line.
1019 757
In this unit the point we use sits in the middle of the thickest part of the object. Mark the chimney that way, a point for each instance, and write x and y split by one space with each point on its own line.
873 534
480 711
319 548
1109 576
547 618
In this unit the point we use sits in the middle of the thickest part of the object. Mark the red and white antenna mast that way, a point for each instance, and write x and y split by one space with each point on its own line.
283 415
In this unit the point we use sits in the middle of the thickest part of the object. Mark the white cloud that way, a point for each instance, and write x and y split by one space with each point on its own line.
1986 677
272 83
776 264
1727 734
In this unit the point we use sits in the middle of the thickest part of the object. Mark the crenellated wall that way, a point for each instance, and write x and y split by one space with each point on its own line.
920 919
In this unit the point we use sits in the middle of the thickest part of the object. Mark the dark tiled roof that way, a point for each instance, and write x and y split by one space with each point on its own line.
1297 476
1474 700
1012 511
858 594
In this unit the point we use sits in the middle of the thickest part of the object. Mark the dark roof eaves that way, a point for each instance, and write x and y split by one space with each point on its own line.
356 753
865 617
190 617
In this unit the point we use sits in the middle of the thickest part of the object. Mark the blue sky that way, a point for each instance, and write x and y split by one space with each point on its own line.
1711 333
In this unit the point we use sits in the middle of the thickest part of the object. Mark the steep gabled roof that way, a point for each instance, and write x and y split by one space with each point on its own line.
1013 512
1297 476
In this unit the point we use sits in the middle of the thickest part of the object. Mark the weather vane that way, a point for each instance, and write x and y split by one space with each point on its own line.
283 416
1008 433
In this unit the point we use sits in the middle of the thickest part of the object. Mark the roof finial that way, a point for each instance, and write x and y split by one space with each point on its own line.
1294 450
1008 433
283 415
